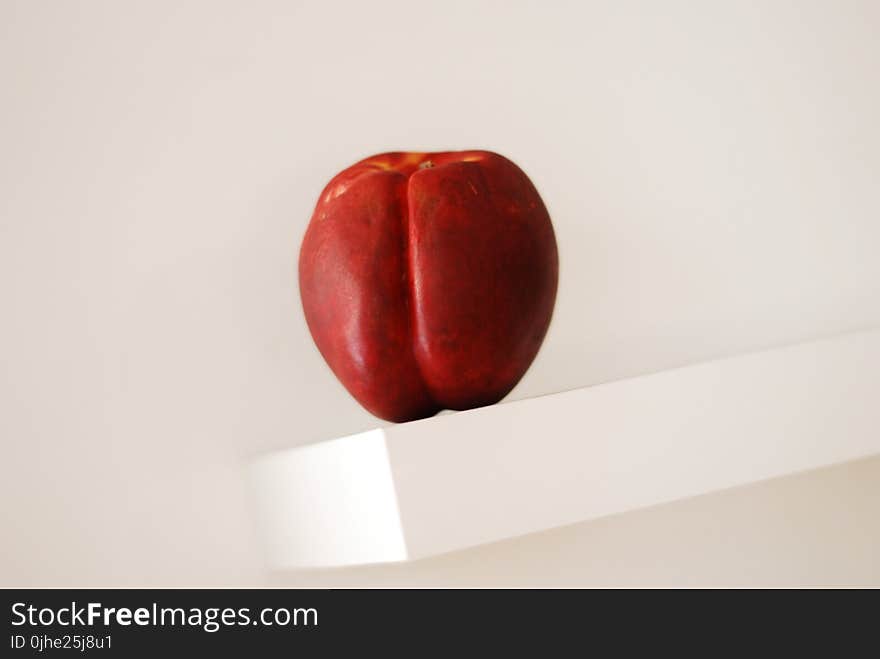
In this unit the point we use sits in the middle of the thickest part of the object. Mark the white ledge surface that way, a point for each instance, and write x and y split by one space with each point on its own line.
417 489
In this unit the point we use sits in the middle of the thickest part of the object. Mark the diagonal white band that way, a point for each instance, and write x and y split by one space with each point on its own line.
459 480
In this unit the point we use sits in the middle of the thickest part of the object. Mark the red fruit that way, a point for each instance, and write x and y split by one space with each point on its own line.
428 280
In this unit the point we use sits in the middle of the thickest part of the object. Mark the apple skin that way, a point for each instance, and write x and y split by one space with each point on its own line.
428 280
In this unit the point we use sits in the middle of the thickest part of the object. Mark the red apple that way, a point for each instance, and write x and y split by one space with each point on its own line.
428 280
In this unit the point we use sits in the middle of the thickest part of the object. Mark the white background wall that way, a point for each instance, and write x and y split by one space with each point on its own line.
711 169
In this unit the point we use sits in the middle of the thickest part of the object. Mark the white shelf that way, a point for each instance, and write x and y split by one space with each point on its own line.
454 481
